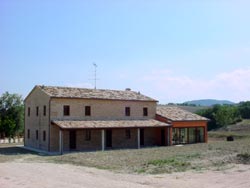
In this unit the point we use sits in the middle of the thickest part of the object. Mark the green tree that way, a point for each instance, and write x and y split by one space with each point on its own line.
221 115
11 114
244 109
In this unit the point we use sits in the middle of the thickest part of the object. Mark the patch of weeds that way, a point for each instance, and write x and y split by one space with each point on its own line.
243 158
141 171
167 165
171 162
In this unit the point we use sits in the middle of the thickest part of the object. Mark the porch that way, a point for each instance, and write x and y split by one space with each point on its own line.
103 135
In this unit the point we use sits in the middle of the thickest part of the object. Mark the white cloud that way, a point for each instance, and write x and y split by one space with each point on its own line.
169 87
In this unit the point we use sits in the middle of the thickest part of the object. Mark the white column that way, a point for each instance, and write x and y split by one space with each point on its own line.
138 138
60 142
103 140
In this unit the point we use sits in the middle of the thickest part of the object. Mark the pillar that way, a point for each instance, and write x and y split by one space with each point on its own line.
205 134
138 138
60 141
170 135
103 140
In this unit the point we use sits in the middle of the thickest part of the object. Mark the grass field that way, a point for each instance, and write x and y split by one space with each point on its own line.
218 154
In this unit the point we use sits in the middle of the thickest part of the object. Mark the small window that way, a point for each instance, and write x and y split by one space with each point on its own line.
44 110
44 135
87 111
37 134
127 111
128 133
28 111
66 110
145 111
37 110
88 135
28 134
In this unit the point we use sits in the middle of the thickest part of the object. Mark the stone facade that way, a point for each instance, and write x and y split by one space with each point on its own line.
44 107
37 122
101 109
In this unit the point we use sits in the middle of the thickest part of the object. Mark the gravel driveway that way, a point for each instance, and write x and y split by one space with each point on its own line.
46 175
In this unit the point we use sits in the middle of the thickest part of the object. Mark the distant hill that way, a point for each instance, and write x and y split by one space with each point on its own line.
208 102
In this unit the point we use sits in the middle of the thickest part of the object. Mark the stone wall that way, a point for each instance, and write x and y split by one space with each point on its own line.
34 123
101 109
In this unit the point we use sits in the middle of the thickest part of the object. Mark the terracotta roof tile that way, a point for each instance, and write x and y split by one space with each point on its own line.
178 114
68 124
69 92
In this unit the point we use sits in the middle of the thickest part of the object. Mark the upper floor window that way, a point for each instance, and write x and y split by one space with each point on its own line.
127 111
37 110
44 110
145 111
29 111
66 110
87 111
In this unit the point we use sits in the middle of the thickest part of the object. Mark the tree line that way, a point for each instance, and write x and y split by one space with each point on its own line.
223 115
11 115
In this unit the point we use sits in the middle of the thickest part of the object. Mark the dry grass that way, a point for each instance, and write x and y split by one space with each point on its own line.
218 154
214 155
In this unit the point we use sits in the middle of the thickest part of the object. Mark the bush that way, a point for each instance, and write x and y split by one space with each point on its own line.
243 158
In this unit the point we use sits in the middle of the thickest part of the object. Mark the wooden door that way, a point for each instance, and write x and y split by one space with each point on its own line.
72 139
109 138
142 137
163 138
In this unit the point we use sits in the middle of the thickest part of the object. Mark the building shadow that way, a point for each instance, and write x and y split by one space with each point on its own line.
15 150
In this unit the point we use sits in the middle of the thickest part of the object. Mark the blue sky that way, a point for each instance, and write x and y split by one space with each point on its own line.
173 51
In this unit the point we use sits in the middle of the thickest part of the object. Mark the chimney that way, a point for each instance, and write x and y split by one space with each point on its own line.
127 89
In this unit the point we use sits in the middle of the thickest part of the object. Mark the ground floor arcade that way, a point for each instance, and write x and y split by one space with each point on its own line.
71 136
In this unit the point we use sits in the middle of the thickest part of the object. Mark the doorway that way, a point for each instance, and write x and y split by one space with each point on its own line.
163 138
142 137
109 138
72 140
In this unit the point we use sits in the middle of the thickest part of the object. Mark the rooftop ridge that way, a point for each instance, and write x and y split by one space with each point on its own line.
71 87
88 93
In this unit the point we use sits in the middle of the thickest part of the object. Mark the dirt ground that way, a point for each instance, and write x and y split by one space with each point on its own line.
45 175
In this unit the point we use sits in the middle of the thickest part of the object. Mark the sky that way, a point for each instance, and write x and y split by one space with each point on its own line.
172 51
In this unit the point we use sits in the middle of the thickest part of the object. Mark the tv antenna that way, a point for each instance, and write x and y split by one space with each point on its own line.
95 66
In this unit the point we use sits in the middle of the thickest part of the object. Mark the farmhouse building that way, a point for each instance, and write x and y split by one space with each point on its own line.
61 119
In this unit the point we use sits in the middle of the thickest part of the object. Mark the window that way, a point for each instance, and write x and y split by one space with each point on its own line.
66 110
44 135
88 135
28 134
37 110
145 111
44 110
87 111
127 111
37 134
28 111
128 133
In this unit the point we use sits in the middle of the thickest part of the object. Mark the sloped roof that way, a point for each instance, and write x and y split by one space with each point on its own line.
178 114
70 92
69 124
